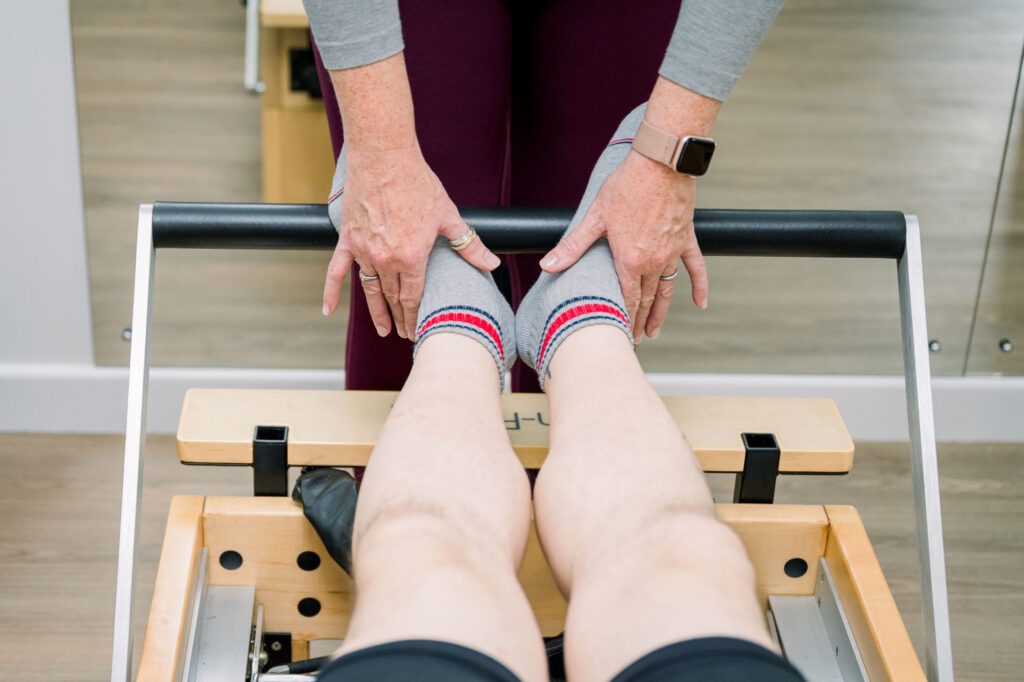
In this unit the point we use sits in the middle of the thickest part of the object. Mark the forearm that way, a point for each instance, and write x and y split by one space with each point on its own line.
681 111
360 42
376 105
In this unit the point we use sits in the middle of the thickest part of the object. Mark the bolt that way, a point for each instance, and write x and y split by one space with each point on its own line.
275 645
934 346
1005 345
127 334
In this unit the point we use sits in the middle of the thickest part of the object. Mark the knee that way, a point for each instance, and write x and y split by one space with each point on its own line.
467 531
683 539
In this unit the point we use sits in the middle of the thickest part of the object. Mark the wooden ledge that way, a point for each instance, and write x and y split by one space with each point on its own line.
283 14
339 428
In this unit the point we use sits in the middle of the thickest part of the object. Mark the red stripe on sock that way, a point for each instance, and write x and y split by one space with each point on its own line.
331 198
572 314
466 318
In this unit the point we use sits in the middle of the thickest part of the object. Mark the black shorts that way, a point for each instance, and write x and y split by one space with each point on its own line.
708 659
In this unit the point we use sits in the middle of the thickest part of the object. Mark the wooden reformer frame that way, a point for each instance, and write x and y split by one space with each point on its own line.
259 561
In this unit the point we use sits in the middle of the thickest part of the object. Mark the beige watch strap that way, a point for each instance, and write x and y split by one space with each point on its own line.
656 144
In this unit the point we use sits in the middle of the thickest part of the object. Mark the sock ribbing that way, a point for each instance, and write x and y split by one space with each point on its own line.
461 299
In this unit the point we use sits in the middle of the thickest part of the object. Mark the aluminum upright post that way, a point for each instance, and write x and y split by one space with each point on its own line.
252 47
924 467
134 447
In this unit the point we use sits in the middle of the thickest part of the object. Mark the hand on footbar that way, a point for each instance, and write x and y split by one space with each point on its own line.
645 210
394 209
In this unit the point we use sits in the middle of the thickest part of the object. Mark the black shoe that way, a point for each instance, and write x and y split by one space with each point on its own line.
328 499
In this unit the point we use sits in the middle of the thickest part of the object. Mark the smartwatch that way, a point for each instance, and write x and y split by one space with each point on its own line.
688 155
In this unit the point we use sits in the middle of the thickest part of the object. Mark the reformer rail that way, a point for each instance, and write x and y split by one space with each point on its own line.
826 234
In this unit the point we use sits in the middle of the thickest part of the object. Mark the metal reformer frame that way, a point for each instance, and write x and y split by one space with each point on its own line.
830 234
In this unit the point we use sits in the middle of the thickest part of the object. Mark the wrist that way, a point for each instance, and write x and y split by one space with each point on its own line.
649 170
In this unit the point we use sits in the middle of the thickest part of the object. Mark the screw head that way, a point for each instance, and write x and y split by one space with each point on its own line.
934 346
1005 345
127 334
275 646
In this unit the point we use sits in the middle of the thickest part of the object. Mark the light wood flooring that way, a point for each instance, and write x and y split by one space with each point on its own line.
59 506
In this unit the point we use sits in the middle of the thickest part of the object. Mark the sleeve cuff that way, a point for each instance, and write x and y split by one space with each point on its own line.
366 50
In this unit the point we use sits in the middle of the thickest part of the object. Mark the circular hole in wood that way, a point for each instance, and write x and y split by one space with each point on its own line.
308 561
230 559
309 607
796 567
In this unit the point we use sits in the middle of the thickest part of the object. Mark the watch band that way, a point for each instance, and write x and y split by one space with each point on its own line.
656 144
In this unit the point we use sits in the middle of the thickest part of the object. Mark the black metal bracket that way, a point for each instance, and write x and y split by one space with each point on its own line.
756 483
278 646
270 461
302 67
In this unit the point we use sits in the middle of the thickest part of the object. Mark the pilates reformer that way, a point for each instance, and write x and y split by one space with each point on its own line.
244 591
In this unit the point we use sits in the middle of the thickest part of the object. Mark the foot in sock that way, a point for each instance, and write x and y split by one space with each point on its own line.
586 293
462 299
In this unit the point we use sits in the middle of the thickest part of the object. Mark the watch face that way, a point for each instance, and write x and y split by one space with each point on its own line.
695 157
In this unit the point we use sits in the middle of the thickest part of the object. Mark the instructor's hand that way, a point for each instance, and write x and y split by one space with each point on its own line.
645 209
394 209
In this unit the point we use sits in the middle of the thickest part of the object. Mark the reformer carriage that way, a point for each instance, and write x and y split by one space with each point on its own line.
244 585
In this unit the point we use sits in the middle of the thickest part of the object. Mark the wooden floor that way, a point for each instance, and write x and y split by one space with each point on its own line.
59 505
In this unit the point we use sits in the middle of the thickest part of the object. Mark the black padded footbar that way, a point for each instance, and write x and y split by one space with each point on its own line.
823 234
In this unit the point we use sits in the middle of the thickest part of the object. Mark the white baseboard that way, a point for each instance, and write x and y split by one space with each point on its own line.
87 399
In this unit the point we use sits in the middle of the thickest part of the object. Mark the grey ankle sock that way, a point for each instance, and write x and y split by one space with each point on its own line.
462 299
588 292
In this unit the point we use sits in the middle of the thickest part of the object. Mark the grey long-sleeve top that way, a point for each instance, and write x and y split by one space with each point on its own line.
712 42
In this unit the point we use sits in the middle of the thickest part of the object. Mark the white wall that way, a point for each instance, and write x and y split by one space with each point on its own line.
44 285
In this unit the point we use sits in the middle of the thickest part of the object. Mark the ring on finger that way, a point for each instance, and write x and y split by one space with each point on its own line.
669 278
367 278
463 240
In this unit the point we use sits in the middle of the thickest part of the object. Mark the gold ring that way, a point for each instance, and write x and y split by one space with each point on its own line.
464 240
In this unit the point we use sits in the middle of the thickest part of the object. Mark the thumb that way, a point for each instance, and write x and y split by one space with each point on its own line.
475 253
573 245
340 264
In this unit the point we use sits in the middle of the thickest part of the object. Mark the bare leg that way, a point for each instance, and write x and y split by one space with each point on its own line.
444 516
626 519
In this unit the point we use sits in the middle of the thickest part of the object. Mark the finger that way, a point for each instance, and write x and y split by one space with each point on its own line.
339 266
389 283
630 284
648 289
693 261
411 284
476 253
573 245
662 299
376 304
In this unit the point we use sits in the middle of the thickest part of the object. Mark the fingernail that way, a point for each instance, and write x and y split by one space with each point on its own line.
493 261
704 303
327 310
655 333
380 330
548 260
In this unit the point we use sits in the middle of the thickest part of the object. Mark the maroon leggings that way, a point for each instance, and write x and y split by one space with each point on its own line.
515 99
